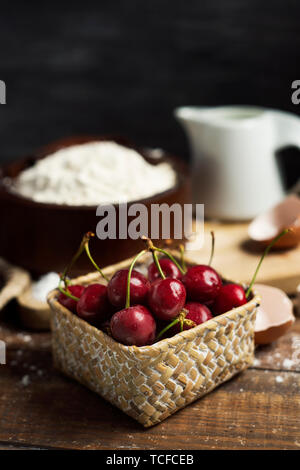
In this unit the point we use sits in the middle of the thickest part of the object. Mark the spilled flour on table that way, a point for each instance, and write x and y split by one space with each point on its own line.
25 380
283 354
279 379
288 363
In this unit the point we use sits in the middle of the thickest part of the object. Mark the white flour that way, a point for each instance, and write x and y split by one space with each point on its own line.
92 174
42 287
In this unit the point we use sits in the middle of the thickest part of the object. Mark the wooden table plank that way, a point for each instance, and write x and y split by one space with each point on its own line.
259 409
252 410
283 354
7 446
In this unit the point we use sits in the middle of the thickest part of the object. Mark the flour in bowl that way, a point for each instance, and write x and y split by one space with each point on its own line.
94 173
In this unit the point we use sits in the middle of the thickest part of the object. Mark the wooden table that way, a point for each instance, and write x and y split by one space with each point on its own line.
40 408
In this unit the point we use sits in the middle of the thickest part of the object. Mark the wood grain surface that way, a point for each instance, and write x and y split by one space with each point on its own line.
40 408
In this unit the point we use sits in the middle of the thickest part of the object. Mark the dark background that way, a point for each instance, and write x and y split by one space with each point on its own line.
123 66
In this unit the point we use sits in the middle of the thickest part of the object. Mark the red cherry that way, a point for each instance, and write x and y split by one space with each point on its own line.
93 304
230 296
198 313
133 326
117 287
169 269
166 298
202 283
69 303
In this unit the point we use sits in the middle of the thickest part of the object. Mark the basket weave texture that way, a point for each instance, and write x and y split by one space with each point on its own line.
150 383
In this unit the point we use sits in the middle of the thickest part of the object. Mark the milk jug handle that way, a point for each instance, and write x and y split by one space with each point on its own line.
286 129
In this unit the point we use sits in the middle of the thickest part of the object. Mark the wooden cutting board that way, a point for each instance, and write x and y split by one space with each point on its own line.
236 257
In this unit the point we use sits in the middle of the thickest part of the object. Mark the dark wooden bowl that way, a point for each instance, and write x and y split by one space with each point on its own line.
43 237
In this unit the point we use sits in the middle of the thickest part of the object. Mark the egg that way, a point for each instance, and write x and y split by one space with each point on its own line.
265 227
274 315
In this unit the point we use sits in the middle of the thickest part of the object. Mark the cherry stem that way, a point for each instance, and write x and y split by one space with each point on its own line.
157 263
150 247
171 257
166 328
87 249
212 248
284 232
189 322
153 248
181 318
67 293
127 305
65 280
181 249
80 250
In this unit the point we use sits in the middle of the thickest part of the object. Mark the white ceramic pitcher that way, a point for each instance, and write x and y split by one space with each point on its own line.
236 145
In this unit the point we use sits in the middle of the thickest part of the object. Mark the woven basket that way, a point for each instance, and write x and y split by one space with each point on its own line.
150 383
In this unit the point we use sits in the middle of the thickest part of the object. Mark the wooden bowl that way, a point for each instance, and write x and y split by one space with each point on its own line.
34 314
43 237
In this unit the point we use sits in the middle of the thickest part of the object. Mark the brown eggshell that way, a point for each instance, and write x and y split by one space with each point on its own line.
274 315
265 227
298 300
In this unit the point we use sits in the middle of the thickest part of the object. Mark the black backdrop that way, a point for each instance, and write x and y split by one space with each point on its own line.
123 66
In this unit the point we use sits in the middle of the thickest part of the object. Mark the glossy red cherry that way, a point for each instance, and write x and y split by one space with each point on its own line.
117 286
198 313
169 269
230 296
93 304
202 283
69 303
133 326
166 298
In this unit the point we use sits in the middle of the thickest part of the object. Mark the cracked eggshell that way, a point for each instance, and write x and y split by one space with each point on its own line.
274 315
298 300
265 227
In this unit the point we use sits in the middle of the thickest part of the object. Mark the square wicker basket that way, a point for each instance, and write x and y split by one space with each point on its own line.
150 383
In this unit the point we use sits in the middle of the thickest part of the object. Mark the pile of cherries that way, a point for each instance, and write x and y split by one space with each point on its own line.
172 297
